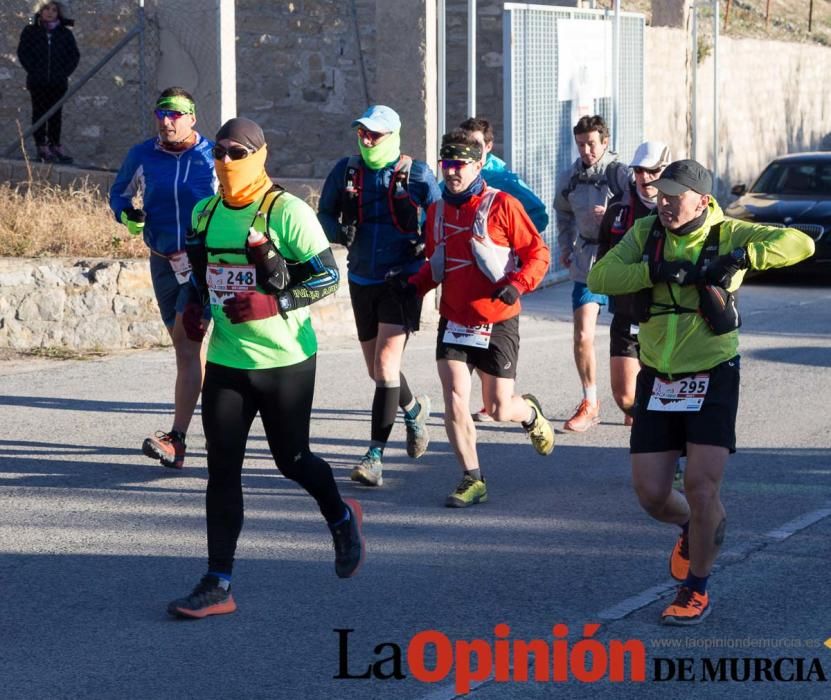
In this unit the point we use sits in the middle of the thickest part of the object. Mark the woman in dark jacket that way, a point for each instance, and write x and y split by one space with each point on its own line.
49 54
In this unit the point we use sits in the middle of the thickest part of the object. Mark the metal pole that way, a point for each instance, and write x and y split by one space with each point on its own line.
810 14
694 98
143 106
716 10
616 76
471 58
128 37
441 69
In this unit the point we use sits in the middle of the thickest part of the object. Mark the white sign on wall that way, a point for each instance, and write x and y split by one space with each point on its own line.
584 64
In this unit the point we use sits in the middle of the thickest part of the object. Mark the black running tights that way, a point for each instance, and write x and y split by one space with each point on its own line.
231 399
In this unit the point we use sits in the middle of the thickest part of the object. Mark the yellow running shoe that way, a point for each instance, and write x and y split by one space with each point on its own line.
469 492
541 434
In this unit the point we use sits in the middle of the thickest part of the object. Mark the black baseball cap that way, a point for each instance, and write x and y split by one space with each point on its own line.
683 175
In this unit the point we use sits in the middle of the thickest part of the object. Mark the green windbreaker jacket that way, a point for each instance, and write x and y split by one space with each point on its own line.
674 343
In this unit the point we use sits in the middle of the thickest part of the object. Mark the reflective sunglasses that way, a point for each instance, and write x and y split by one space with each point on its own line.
169 113
233 152
446 164
648 171
371 135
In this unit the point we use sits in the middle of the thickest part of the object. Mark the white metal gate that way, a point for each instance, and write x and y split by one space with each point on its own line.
559 64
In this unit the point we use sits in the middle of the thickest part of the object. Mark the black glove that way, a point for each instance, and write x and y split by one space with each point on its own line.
346 236
721 270
679 271
507 294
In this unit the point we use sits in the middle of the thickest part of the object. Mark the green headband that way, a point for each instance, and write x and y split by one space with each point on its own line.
177 103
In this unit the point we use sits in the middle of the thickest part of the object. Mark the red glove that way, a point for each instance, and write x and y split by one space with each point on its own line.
194 322
250 306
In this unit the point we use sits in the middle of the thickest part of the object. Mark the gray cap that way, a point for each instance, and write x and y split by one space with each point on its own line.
683 175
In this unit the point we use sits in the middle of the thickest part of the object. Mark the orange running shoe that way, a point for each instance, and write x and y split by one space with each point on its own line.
168 448
679 560
688 608
208 598
586 415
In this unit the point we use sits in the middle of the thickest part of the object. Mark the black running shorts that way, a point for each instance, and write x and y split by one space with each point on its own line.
714 424
373 304
622 343
499 359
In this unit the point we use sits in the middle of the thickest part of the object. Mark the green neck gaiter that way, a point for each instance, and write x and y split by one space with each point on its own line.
382 153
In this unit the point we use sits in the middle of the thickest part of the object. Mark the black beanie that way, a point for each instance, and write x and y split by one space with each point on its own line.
242 131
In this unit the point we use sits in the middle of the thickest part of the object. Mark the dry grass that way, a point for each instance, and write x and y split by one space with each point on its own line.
40 219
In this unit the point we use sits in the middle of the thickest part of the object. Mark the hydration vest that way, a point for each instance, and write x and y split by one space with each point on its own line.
607 178
405 214
493 260
259 223
653 251
621 224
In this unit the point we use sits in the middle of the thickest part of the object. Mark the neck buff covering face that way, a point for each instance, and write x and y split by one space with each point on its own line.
382 153
473 188
243 181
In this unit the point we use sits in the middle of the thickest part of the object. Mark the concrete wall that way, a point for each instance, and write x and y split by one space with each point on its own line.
774 99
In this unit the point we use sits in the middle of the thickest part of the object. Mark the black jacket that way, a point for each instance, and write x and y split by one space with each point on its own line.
48 58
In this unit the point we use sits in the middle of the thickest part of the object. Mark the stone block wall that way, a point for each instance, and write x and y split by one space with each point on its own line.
78 305
306 68
105 305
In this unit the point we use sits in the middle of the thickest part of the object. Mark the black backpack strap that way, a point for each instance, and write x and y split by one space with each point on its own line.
203 216
351 192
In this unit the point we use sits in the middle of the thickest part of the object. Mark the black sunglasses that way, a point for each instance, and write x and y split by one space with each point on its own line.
233 152
648 171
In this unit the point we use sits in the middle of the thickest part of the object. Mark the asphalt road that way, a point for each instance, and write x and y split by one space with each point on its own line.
95 539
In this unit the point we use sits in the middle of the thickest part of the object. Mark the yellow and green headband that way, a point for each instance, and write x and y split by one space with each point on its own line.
177 103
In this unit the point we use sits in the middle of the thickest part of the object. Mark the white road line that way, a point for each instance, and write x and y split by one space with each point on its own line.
636 602
651 595
794 526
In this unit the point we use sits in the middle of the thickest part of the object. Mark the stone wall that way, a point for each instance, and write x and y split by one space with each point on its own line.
78 305
106 305
306 68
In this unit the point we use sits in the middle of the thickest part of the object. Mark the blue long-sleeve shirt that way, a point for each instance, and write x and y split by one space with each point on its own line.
172 183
